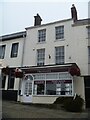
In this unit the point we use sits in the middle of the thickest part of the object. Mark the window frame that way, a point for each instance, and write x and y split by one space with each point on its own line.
88 54
2 47
41 35
64 77
14 50
40 59
61 56
88 31
59 32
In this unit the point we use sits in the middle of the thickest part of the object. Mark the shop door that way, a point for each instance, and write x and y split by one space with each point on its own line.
27 89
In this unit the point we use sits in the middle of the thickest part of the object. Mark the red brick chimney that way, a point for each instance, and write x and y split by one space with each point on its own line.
74 13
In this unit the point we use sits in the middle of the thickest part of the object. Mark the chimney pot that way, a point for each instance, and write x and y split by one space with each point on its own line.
74 13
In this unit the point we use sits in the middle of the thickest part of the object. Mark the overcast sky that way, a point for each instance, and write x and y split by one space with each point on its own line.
16 15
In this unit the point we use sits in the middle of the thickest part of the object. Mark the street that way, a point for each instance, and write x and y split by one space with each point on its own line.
11 109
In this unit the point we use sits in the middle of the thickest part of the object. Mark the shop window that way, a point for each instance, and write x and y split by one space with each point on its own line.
39 87
53 84
59 87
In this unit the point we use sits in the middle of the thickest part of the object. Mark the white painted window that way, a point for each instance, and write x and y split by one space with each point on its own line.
89 54
40 57
14 50
28 88
2 51
42 35
53 84
59 55
89 32
59 32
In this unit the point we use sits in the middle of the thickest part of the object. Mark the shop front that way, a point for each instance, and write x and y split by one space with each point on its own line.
45 84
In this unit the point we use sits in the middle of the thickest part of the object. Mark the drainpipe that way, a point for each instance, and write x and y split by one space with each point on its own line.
23 51
22 59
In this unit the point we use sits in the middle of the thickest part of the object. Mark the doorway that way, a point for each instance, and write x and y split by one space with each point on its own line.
27 89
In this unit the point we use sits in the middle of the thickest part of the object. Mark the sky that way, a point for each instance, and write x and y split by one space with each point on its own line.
16 15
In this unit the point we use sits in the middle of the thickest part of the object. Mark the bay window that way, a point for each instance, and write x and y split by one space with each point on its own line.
53 84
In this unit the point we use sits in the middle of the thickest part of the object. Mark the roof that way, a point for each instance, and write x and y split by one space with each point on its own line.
23 34
60 21
13 36
77 23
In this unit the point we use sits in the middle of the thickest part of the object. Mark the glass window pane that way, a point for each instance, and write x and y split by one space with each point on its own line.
59 55
88 54
42 35
40 56
59 32
2 51
14 50
39 87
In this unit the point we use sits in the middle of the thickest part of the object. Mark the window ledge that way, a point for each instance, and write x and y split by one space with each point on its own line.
41 42
50 95
58 40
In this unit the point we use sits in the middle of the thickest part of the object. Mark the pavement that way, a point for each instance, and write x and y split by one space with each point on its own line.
11 109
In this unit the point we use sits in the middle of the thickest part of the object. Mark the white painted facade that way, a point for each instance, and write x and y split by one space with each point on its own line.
16 61
75 44
12 62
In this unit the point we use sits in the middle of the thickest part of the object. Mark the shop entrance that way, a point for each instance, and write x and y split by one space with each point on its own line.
27 88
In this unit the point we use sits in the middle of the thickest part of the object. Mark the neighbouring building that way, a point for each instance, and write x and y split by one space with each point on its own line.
53 58
11 55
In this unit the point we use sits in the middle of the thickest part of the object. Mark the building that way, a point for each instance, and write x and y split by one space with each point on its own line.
55 60
11 55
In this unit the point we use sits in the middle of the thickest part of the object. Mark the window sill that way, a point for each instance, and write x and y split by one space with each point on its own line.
41 42
50 95
58 40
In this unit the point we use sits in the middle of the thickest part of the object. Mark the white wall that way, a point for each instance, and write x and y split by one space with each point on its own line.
75 43
16 61
32 44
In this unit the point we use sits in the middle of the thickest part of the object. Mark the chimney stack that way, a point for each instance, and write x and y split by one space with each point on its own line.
74 13
37 20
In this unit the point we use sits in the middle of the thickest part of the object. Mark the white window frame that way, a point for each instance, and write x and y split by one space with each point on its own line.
60 55
59 32
66 76
40 57
88 31
41 36
2 51
89 55
14 50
